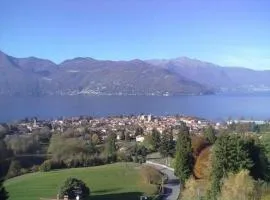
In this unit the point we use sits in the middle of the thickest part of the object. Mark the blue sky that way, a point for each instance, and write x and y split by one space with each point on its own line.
226 32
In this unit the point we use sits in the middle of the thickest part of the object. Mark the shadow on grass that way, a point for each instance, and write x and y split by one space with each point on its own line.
105 191
119 196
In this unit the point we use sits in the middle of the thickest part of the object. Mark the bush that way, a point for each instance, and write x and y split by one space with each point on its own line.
73 162
34 168
93 161
262 190
46 166
151 175
24 171
266 197
123 157
72 187
14 169
194 189
108 159
238 186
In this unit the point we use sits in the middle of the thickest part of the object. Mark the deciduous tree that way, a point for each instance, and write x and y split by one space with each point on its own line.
151 175
240 186
193 190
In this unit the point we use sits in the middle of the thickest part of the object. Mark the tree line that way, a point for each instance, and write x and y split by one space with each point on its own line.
238 166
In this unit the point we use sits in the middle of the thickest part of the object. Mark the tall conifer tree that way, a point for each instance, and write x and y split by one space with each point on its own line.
183 156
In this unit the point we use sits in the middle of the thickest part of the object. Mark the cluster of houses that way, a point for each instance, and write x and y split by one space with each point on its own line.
135 125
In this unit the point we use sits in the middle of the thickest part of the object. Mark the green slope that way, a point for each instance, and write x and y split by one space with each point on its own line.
115 181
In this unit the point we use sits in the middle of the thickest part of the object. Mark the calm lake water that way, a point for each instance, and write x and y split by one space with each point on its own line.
214 107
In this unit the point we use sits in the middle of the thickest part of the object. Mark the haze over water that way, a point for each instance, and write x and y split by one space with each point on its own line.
213 107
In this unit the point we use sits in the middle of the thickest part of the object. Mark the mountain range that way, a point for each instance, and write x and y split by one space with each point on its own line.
82 75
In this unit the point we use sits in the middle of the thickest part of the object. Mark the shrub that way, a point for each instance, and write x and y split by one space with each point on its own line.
123 157
238 186
46 166
24 171
266 197
94 161
194 189
34 168
151 175
14 169
72 187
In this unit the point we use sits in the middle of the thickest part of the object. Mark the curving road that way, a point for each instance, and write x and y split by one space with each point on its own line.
172 187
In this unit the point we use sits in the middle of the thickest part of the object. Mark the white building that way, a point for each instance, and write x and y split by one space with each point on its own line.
149 118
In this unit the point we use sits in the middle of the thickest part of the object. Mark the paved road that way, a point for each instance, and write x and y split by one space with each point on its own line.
172 187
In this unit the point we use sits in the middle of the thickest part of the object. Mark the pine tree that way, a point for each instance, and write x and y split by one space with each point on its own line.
110 148
139 131
257 153
167 144
3 192
266 143
183 157
210 135
156 139
136 153
230 155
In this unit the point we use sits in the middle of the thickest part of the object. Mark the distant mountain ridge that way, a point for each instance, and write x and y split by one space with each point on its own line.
234 79
34 76
181 76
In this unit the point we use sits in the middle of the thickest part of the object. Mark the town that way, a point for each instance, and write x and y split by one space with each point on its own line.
135 126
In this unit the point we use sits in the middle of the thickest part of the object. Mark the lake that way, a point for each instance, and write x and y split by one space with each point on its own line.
213 107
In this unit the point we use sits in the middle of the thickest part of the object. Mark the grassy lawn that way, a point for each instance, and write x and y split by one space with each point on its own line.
111 182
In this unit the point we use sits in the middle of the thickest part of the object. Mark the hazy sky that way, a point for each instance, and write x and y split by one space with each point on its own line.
226 32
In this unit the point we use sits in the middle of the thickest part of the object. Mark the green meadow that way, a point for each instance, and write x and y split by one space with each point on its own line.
108 182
